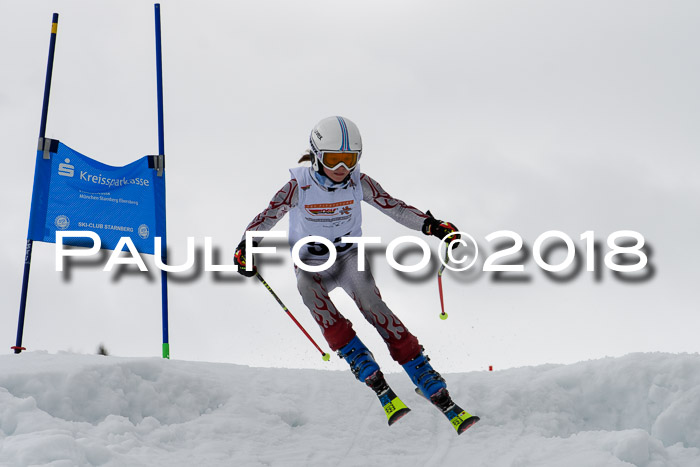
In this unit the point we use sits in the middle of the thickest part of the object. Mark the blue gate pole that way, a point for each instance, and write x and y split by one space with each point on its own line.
161 151
42 133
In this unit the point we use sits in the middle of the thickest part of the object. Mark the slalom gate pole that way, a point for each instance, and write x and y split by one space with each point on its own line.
326 357
161 152
42 133
443 315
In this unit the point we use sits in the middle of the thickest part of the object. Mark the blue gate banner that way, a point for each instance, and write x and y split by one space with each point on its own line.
74 192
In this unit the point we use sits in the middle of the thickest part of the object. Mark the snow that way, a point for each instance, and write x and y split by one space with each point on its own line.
75 410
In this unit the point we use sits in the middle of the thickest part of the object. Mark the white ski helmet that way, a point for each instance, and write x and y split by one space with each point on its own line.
335 141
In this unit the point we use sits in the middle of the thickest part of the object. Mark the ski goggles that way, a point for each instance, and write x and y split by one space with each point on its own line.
334 159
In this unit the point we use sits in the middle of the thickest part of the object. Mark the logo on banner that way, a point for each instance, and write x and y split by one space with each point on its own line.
66 169
62 222
143 231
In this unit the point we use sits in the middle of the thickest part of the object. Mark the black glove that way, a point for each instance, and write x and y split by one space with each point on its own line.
239 259
438 228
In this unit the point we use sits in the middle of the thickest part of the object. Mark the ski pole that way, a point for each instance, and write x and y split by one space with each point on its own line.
326 357
443 315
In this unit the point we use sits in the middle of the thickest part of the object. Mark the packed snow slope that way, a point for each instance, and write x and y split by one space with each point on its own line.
75 410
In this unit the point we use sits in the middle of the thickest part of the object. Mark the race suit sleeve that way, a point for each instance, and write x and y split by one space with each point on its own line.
374 194
284 200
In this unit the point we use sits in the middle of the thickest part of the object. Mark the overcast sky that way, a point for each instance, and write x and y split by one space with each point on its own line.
521 115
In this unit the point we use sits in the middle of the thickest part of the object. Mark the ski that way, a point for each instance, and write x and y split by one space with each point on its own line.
394 408
458 417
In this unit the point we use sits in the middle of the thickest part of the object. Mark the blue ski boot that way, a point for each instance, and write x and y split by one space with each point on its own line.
359 358
366 370
422 374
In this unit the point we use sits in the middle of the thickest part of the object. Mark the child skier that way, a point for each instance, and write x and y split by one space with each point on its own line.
324 200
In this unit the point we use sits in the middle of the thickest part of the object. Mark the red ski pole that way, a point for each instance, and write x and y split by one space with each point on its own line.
443 315
326 357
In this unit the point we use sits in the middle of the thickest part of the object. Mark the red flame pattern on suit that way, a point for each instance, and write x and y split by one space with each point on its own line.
324 311
372 193
280 204
387 324
383 200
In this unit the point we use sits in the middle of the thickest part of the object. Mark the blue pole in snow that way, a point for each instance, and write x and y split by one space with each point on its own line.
161 151
42 133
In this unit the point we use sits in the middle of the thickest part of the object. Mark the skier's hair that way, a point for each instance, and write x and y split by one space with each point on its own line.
306 157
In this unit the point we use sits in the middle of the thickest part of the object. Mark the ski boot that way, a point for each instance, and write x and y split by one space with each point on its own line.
359 358
423 376
366 370
432 387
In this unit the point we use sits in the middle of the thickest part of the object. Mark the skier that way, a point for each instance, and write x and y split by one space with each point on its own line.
324 200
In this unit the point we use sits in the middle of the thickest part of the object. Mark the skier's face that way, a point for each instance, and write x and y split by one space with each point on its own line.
337 175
